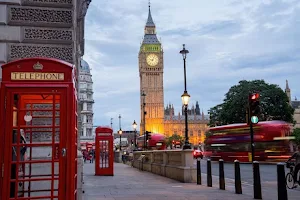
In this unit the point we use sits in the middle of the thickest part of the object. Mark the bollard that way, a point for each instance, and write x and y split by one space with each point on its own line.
281 187
221 175
237 177
257 184
198 172
209 177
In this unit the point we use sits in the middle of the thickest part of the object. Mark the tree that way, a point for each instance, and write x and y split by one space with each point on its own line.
296 134
273 103
174 137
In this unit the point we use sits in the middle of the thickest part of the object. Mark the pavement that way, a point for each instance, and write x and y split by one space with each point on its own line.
129 183
268 174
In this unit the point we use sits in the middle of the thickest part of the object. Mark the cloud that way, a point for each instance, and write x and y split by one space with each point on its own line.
228 41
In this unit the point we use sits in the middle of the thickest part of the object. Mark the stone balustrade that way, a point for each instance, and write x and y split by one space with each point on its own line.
174 164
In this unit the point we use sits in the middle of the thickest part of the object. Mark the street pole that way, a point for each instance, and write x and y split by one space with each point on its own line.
134 125
120 132
252 142
185 107
135 139
186 143
120 142
185 97
251 134
144 119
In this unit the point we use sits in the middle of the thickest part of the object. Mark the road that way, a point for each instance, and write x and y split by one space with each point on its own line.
268 175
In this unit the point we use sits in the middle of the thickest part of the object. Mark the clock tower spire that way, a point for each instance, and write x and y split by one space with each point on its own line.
151 80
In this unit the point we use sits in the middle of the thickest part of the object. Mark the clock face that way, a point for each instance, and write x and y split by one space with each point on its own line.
152 60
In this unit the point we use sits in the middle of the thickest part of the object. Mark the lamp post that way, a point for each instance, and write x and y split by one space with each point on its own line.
134 125
185 100
120 132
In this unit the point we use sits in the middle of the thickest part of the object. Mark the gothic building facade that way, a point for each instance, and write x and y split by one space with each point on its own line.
154 117
295 104
197 123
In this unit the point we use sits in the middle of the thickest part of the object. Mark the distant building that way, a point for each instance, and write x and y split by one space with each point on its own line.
129 135
295 104
86 100
197 123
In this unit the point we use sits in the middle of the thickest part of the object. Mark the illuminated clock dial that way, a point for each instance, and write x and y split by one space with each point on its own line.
152 60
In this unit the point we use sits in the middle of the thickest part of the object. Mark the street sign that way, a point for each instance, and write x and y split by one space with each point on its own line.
254 119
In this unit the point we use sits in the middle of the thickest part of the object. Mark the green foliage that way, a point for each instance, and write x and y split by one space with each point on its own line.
207 135
296 133
174 137
273 103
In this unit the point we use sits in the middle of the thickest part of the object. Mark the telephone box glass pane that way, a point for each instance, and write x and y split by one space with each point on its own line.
35 146
104 154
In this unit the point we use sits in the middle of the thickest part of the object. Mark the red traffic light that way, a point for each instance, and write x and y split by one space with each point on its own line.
254 96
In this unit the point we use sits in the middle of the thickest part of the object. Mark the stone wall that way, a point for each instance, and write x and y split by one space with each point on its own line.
174 164
43 28
37 28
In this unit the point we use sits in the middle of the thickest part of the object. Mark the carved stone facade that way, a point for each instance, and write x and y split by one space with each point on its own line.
62 52
47 2
47 35
43 28
18 15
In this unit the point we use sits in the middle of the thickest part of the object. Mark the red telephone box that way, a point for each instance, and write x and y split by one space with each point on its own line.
38 153
104 154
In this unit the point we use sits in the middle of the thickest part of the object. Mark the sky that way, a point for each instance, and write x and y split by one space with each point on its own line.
228 41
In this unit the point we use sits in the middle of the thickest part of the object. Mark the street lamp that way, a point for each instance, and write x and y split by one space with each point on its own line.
134 125
120 131
185 97
185 100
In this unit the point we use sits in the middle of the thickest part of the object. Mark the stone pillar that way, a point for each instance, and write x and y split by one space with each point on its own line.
188 161
187 158
84 125
79 175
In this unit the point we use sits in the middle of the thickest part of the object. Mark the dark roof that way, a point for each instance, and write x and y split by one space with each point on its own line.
150 39
150 22
295 104
84 66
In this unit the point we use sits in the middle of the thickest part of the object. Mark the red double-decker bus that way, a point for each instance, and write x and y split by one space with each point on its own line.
231 142
157 142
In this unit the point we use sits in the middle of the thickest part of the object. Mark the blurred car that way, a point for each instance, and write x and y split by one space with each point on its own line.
197 154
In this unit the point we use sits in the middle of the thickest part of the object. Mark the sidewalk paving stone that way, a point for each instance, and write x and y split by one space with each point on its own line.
129 183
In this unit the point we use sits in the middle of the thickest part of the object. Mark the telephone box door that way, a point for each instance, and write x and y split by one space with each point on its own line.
35 144
104 155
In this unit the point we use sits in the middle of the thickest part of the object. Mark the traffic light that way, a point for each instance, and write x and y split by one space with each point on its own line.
148 135
132 142
254 108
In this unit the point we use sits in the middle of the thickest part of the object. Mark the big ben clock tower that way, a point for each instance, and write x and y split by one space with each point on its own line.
151 80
